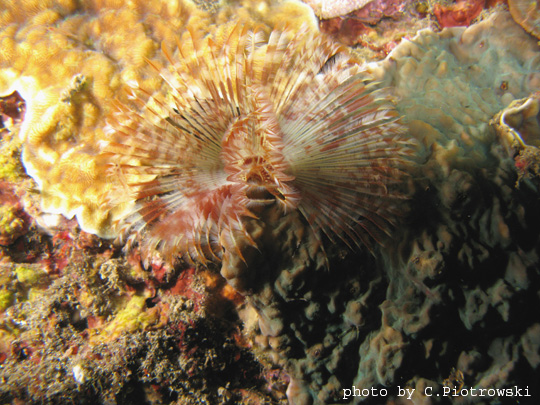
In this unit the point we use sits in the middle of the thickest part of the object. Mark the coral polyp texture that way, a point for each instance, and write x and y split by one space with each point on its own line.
287 120
70 60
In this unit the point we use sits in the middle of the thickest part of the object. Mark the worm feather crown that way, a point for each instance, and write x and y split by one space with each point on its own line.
288 121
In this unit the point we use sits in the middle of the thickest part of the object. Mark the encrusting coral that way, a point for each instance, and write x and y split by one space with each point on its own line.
465 264
527 14
451 84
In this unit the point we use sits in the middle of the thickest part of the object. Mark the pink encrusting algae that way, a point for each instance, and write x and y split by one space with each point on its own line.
289 121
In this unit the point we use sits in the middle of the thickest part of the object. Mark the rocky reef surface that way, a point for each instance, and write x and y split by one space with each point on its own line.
444 307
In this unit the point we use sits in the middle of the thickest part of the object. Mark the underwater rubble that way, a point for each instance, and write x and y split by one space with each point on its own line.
444 310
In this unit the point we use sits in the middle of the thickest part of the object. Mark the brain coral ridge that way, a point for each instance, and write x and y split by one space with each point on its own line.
288 121
69 60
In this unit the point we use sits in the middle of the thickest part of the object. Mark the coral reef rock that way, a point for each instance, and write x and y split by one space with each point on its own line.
518 128
444 305
335 8
452 292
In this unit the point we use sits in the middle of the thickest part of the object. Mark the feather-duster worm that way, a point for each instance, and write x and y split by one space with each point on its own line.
289 121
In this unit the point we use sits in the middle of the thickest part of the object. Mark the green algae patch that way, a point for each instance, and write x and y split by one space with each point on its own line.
7 288
133 317
21 282
10 165
9 221
6 299
30 275
12 225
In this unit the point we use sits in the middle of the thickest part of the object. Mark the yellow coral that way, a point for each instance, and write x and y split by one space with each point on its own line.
17 282
10 167
134 316
70 60
6 299
11 224
30 275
